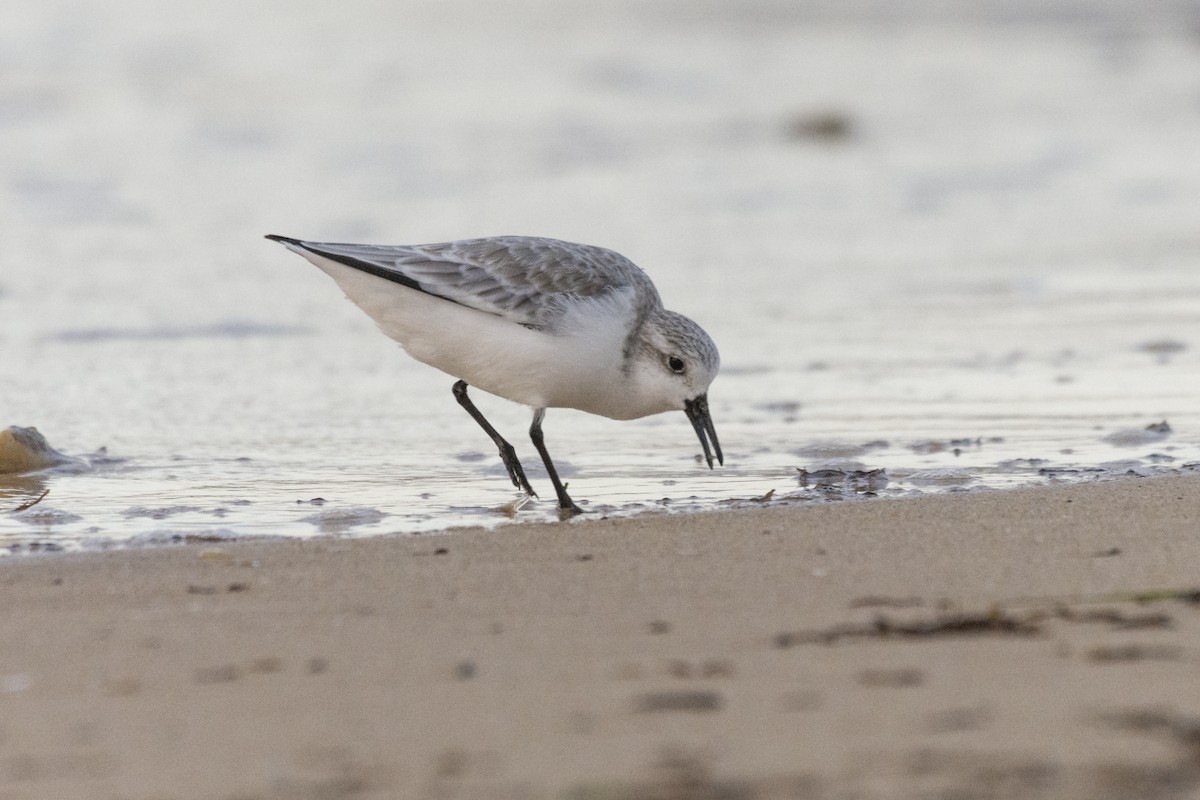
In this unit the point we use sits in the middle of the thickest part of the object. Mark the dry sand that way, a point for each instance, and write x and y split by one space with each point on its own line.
982 645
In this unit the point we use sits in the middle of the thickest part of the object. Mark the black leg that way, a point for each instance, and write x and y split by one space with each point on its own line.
565 504
507 454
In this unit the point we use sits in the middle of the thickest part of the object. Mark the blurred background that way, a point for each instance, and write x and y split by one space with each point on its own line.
957 241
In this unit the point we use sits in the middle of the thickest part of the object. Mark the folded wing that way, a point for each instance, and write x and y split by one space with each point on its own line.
524 279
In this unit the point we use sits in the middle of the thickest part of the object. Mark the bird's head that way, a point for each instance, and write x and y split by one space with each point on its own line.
672 368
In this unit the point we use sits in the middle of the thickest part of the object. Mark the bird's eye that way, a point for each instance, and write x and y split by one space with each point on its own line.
676 364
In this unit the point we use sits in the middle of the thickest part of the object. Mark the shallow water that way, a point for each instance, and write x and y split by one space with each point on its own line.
959 248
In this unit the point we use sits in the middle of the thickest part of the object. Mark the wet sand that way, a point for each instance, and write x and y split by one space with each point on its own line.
1032 643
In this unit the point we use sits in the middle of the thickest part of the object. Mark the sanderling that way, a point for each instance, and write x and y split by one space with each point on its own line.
542 322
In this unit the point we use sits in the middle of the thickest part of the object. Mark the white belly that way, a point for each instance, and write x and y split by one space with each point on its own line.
577 367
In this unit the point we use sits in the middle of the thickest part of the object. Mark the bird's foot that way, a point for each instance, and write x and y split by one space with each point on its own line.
522 484
568 511
515 472
514 506
566 506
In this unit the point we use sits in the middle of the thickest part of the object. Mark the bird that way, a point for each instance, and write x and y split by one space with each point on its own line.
541 322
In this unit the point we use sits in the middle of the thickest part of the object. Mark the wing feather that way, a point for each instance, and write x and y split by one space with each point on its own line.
524 279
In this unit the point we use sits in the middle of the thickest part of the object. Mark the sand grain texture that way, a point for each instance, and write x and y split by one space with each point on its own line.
670 657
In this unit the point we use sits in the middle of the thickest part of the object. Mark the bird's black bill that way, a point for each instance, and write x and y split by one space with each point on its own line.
697 412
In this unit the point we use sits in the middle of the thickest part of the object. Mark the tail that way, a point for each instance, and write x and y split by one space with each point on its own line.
337 254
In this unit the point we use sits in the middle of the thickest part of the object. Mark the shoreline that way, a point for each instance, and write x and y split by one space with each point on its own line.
1044 639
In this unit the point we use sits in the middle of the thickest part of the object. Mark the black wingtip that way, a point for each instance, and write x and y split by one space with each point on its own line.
322 250
274 237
